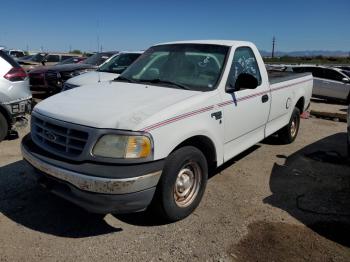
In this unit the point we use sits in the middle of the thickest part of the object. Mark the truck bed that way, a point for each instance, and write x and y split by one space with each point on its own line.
280 76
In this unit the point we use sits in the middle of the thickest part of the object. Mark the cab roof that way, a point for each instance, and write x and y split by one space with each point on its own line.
211 42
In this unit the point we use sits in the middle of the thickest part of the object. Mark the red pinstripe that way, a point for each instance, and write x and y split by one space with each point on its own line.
208 108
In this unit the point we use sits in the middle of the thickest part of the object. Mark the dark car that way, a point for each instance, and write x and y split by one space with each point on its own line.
49 80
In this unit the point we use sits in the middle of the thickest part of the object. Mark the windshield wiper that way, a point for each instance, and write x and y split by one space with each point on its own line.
159 81
123 78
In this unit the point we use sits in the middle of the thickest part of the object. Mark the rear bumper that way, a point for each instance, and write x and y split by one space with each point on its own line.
93 193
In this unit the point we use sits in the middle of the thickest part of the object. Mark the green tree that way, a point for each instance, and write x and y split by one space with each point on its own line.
76 51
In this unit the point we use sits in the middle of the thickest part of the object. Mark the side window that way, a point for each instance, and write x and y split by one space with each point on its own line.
65 57
53 58
244 61
299 70
333 75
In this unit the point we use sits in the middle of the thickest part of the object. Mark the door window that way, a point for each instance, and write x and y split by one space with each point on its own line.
333 75
244 61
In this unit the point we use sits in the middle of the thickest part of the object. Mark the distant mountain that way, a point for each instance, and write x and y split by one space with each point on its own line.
307 53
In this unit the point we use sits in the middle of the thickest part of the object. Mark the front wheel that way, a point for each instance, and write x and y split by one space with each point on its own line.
289 133
182 184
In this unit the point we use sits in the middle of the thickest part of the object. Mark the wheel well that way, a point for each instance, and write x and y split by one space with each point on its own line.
205 145
6 115
300 104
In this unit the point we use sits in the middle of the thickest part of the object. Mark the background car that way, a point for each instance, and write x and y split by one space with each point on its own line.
329 83
107 71
44 59
15 53
50 80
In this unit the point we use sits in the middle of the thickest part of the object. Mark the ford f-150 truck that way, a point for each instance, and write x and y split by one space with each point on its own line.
150 137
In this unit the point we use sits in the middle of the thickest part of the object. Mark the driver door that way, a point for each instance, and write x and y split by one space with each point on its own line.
245 111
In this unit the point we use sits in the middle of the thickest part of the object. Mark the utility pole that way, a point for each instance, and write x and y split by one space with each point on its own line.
273 47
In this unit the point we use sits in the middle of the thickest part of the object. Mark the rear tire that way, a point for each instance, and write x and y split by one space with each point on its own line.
182 184
289 133
4 127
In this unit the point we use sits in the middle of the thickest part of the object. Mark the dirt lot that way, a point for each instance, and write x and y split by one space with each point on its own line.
272 203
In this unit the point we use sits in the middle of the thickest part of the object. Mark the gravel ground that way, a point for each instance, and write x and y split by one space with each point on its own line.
272 203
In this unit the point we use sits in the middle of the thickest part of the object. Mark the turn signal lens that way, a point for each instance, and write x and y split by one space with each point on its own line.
138 147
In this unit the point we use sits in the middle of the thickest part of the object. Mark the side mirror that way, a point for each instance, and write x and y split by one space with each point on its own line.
43 62
244 81
345 80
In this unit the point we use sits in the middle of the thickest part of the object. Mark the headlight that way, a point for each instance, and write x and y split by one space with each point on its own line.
122 146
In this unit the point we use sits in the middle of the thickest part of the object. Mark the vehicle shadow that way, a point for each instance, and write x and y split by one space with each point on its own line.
327 101
29 205
313 186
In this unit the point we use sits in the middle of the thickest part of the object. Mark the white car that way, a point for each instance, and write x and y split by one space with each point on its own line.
329 83
109 70
15 96
150 137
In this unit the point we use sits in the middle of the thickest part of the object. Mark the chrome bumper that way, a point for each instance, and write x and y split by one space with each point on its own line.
94 184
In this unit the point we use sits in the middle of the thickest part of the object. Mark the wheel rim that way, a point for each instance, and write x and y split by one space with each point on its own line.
187 184
294 127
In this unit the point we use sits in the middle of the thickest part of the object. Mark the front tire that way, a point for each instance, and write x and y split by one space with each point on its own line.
290 132
182 184
4 127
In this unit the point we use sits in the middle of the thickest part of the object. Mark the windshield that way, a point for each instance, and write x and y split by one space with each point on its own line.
38 57
188 66
118 63
97 59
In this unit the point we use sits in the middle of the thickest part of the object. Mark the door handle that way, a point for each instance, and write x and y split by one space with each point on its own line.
217 115
264 98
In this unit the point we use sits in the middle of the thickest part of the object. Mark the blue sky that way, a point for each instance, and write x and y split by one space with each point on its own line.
132 25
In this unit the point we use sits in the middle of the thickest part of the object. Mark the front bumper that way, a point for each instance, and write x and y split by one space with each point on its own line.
94 193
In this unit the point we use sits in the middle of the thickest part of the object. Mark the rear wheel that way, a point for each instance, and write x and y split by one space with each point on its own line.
182 184
4 127
289 133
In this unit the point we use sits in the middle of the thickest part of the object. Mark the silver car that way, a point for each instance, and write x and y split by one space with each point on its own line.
333 83
15 96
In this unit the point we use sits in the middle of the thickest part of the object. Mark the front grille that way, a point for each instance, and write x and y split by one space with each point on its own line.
58 138
65 75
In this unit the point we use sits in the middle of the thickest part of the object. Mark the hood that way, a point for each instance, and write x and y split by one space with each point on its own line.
115 105
28 62
91 78
40 69
71 67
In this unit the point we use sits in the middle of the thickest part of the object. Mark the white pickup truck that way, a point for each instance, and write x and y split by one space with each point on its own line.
150 137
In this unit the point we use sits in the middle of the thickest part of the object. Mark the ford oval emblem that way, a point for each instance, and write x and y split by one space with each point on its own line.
50 136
